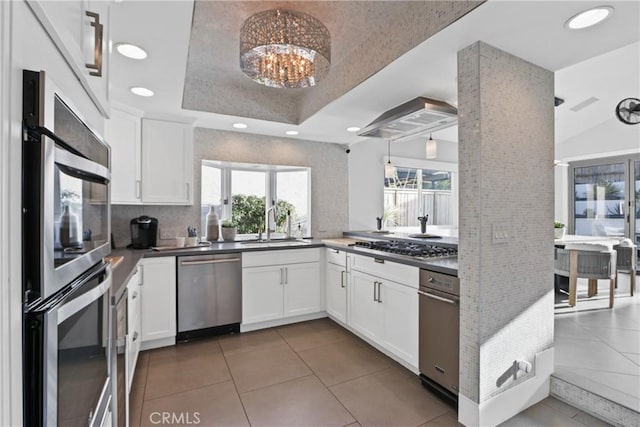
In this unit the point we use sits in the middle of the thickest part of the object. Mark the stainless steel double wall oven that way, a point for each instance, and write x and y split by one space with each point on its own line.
66 233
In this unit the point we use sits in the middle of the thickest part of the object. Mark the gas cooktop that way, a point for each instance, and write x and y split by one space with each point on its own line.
418 250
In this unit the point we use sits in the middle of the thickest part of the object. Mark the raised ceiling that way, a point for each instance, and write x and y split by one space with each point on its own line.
365 37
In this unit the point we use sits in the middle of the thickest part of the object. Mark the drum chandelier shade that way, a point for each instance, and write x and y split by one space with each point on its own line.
285 49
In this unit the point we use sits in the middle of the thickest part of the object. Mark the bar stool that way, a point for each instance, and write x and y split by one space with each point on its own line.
590 261
627 261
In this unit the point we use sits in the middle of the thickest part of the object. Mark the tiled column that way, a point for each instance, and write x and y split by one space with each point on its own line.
506 138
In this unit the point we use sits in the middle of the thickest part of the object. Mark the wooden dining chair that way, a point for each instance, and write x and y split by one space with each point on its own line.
589 261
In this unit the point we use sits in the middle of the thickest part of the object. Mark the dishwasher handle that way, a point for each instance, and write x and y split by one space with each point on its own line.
210 261
432 296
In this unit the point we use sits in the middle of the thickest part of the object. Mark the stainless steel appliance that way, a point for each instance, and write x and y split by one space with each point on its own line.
66 233
144 232
65 197
120 400
439 324
66 348
415 250
209 295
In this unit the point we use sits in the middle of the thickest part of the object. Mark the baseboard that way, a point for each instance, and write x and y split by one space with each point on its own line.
162 342
512 401
280 322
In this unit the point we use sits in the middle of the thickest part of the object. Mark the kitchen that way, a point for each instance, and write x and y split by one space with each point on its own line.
335 206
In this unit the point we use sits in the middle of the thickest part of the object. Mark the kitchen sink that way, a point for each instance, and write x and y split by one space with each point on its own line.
274 243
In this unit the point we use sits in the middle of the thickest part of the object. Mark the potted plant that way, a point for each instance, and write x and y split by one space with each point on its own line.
558 229
228 230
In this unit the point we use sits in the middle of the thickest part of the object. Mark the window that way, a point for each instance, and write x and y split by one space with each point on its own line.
421 188
238 191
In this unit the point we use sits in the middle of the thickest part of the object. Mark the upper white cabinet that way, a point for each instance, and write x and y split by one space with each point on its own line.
151 160
123 133
80 30
167 163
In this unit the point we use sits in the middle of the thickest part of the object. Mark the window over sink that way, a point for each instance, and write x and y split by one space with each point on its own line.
238 191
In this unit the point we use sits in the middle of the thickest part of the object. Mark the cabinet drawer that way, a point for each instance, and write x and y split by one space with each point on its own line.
390 270
336 256
291 256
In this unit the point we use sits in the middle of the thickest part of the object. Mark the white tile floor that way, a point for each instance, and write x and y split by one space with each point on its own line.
597 348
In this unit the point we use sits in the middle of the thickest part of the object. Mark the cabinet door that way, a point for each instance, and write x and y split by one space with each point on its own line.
167 162
122 132
365 313
158 304
301 289
400 334
336 291
70 29
262 289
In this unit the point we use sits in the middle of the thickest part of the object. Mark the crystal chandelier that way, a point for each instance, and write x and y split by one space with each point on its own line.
284 49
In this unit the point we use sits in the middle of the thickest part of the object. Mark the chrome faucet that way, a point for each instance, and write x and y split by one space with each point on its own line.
268 229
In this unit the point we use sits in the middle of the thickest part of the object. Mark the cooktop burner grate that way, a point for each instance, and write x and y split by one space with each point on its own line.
408 248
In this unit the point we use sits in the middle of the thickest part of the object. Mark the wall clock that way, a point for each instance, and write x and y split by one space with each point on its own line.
628 111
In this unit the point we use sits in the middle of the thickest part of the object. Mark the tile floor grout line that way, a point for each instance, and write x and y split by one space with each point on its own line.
235 386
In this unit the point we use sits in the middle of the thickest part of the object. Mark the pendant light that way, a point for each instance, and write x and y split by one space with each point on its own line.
389 169
432 148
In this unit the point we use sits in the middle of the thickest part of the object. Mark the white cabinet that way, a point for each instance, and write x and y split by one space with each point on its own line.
167 163
158 304
134 332
384 311
151 160
280 284
336 279
80 30
123 133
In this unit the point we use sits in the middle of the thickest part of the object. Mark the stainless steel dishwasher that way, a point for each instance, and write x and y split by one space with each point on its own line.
439 332
209 295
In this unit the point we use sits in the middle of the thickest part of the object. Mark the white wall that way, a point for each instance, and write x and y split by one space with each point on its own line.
366 174
610 138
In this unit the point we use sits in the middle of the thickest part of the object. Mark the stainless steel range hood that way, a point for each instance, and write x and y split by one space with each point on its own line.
414 118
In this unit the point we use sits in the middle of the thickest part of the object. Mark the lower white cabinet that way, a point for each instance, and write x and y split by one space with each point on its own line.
134 331
158 303
280 284
386 313
336 285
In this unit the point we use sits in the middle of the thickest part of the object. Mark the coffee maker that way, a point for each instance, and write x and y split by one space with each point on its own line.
144 232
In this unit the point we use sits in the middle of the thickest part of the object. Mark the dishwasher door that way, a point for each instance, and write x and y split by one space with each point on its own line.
439 316
209 292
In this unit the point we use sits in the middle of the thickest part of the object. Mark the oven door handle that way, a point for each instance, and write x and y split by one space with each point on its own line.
76 304
80 167
428 295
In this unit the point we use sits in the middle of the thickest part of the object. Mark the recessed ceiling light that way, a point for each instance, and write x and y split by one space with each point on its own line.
589 17
291 132
239 126
131 51
141 91
353 129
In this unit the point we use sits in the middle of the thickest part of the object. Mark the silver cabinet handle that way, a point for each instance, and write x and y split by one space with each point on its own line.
428 295
335 251
135 337
342 279
210 261
379 293
137 189
282 275
97 50
378 260
188 195
286 275
374 291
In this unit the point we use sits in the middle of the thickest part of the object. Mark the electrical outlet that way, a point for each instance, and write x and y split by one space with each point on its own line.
167 233
500 233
